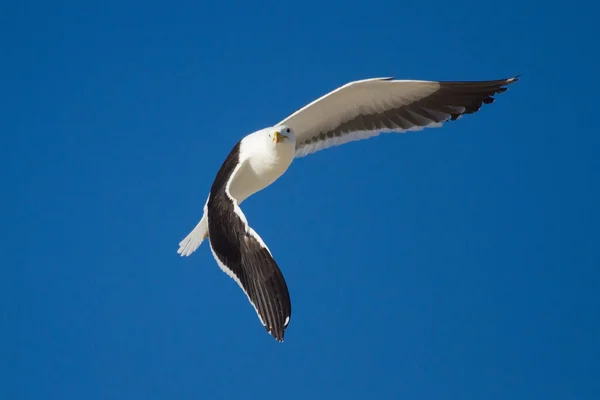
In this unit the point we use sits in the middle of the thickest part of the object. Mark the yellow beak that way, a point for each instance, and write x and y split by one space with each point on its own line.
278 137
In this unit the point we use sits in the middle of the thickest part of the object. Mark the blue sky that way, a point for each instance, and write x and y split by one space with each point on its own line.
454 263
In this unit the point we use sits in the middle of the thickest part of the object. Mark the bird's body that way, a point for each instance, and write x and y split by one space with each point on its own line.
260 166
355 111
265 163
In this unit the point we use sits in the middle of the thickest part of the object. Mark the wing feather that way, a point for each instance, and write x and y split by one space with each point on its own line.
242 254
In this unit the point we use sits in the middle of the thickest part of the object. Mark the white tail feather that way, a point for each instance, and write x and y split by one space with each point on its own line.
194 239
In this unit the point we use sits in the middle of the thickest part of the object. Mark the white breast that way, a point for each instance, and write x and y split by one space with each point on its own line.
265 163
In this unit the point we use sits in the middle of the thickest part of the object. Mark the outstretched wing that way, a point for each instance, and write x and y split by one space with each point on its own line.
366 108
242 254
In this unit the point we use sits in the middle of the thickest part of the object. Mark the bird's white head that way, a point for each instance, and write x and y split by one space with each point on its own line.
282 134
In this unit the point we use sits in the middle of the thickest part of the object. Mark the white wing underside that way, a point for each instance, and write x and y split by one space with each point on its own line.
367 108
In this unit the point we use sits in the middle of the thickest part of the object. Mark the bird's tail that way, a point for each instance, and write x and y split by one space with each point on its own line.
194 239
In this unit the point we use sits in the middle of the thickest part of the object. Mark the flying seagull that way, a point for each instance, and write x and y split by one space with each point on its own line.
354 111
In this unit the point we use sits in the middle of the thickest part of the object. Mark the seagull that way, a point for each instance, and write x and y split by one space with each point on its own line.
357 110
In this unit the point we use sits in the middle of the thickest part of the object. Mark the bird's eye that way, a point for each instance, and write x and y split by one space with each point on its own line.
288 130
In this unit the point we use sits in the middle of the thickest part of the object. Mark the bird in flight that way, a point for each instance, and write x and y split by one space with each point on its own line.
357 110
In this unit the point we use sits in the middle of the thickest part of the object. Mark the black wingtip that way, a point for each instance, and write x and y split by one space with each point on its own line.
278 336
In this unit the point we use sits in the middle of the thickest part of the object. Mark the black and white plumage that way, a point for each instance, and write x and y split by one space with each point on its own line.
357 110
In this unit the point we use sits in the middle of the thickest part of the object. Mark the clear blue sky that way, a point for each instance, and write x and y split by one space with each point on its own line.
457 263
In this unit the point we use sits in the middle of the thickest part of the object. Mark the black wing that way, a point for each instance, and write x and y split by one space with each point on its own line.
242 254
